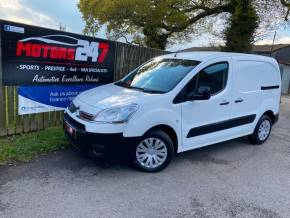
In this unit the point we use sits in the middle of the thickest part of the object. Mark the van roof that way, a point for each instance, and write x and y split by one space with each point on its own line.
204 56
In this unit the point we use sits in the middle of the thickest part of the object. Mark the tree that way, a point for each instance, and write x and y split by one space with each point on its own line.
150 22
287 5
155 23
243 23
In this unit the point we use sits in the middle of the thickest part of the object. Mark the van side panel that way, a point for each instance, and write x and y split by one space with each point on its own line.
258 87
271 89
256 75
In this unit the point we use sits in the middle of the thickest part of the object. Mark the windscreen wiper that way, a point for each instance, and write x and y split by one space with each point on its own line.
134 87
120 83
147 90
153 91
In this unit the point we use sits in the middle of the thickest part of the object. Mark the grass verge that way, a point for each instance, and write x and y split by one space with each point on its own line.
22 148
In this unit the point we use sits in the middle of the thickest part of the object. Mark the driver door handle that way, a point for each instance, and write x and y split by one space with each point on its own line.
239 100
224 103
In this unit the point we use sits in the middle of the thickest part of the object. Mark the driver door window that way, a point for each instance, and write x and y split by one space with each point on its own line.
214 76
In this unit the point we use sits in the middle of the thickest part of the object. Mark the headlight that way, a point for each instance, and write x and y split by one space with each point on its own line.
117 114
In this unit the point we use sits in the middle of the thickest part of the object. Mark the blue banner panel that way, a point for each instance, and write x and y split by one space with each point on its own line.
38 99
39 56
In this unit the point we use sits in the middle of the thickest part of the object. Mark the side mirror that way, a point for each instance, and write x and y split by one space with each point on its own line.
203 93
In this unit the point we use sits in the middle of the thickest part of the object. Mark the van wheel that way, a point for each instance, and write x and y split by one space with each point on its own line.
262 130
154 152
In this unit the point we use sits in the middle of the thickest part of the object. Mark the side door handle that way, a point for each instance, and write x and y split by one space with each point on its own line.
239 100
224 103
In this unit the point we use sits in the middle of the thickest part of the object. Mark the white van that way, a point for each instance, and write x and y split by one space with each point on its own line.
175 103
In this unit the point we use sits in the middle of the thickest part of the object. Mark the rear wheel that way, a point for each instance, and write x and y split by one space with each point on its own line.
154 152
262 130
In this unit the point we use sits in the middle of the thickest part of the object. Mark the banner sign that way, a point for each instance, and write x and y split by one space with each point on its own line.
38 99
37 56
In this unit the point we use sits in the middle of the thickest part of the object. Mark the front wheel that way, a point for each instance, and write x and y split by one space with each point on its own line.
262 130
154 152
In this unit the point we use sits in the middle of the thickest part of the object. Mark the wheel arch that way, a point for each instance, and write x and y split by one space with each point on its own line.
270 113
169 131
269 107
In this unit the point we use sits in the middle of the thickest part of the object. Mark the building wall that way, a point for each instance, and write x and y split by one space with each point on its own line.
282 55
285 79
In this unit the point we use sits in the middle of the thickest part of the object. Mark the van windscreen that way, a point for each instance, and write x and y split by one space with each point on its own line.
158 75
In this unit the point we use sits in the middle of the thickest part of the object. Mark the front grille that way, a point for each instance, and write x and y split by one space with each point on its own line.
74 123
86 116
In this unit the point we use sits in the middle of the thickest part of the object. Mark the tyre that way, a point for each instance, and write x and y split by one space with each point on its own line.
154 152
262 130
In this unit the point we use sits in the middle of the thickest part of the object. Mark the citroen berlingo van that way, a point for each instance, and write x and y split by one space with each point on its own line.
175 103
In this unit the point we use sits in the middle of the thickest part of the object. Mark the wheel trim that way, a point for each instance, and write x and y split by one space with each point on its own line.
151 153
264 130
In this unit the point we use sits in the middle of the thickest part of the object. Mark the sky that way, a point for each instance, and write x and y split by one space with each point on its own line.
52 13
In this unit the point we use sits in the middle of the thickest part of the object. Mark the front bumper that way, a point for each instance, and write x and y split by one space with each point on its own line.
98 144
